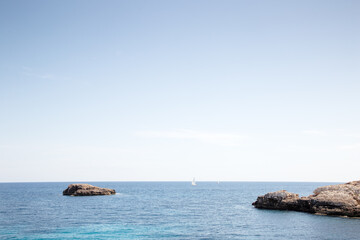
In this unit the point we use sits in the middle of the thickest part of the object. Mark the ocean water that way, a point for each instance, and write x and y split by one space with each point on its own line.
162 210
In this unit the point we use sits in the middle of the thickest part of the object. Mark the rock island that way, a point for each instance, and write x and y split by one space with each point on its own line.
340 200
81 189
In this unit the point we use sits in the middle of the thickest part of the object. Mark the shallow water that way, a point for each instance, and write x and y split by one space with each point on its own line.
162 210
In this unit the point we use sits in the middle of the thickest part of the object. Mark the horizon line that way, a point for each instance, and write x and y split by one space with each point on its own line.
205 181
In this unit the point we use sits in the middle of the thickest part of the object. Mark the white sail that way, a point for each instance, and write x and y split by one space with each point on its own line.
193 182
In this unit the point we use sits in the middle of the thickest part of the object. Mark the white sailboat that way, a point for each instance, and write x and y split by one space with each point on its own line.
193 182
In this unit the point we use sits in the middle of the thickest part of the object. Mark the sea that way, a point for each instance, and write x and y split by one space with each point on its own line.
162 210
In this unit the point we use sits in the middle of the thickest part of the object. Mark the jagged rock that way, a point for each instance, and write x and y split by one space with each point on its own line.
341 199
81 189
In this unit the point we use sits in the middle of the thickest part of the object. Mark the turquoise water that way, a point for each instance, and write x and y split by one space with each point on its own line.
161 210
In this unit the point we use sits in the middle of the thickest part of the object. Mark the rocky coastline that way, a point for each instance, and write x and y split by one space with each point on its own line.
81 189
335 200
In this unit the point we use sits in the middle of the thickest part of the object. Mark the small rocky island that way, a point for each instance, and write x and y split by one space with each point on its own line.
81 189
340 200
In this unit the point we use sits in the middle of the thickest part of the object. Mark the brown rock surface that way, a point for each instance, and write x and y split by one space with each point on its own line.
81 189
341 199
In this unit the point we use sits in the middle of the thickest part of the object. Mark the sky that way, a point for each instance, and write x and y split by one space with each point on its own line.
245 90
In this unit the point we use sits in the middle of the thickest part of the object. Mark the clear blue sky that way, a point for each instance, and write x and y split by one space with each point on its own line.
170 90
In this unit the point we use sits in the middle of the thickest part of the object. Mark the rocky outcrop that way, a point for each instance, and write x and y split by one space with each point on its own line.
81 189
341 200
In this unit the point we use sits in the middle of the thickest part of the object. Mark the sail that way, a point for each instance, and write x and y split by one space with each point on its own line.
193 182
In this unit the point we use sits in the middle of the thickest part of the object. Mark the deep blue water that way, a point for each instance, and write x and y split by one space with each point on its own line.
161 210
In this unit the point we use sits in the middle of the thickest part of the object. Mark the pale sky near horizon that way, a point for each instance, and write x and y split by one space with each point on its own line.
170 90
